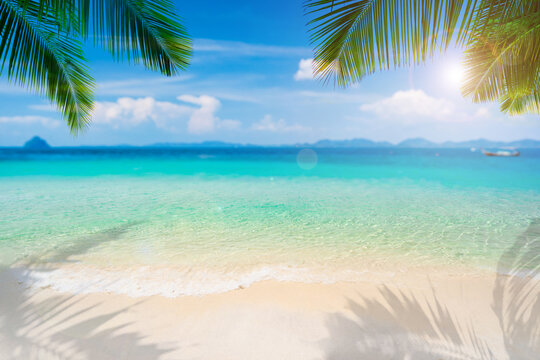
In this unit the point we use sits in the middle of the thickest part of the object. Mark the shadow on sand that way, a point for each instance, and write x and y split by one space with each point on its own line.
396 325
64 326
400 325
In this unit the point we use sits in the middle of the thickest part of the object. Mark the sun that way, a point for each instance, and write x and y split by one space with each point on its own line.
454 75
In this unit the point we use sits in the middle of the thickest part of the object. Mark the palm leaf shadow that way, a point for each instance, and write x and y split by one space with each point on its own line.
62 326
516 296
404 326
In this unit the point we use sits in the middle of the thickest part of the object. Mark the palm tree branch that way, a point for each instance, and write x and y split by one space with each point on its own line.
518 104
351 36
45 60
144 31
63 13
492 62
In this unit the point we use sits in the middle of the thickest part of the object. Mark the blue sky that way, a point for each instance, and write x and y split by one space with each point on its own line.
250 82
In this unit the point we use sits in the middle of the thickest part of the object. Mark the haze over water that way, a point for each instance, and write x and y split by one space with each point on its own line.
145 221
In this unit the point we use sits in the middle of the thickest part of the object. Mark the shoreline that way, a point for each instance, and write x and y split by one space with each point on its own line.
415 315
171 282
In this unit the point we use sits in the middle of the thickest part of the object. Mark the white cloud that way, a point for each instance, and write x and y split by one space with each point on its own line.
45 121
268 124
130 112
203 119
416 107
410 104
305 70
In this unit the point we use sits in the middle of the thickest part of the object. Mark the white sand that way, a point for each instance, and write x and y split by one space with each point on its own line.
415 317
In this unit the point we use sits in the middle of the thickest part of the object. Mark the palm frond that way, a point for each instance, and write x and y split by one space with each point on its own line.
35 53
353 38
525 102
62 13
146 31
503 58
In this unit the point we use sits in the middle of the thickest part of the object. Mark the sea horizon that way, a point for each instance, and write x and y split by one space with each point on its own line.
356 142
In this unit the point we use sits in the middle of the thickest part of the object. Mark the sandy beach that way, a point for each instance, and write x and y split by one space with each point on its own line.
416 316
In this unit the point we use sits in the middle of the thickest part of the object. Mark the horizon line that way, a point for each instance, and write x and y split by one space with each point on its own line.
383 143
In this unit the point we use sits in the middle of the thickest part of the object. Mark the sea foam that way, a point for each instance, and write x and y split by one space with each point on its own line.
148 281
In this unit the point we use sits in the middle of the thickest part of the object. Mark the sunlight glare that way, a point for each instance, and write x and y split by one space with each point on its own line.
454 75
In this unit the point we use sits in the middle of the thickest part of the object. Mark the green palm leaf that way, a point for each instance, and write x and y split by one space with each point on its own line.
519 104
34 53
144 31
503 58
40 45
354 38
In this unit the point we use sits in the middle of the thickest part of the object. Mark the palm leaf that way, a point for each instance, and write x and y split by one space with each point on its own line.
353 38
35 53
146 31
524 102
39 46
63 13
503 59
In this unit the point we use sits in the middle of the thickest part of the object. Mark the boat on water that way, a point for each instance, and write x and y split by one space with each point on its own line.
507 152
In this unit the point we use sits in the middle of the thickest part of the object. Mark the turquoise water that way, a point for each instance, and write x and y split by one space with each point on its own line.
196 221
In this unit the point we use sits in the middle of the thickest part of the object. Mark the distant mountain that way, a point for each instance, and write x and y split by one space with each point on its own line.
483 143
36 143
525 143
417 143
423 143
477 143
352 143
204 144
366 143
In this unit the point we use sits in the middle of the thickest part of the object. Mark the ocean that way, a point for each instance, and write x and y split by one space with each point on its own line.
194 221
